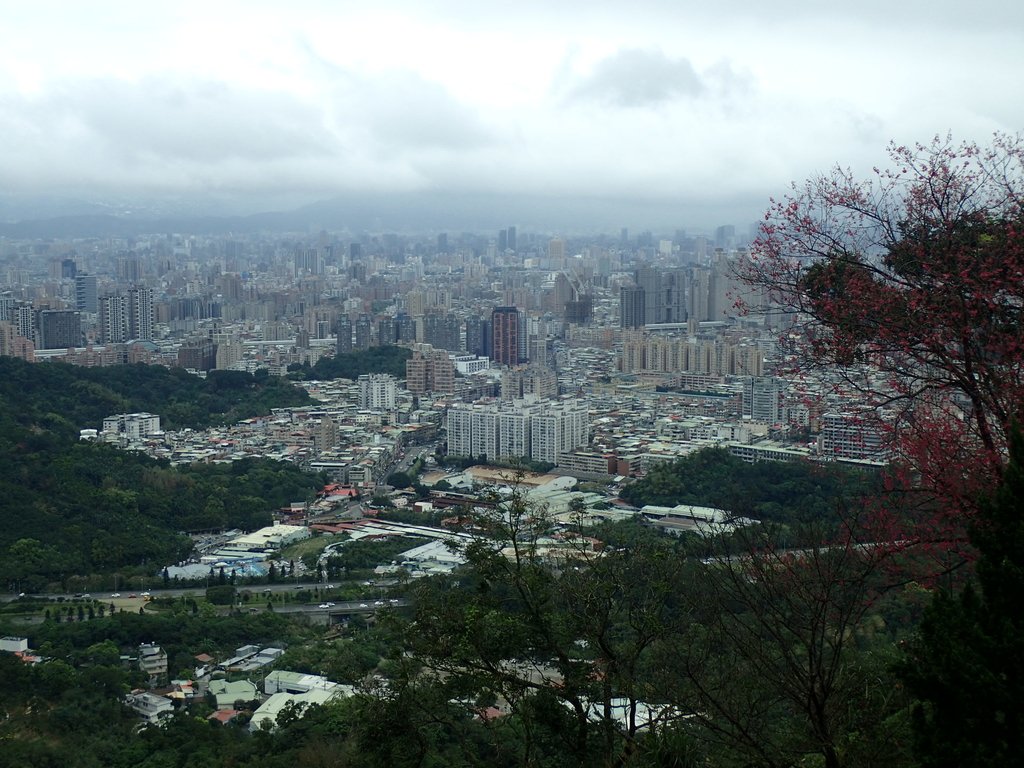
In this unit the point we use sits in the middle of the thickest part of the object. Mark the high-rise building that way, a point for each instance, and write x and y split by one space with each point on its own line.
378 391
556 253
532 379
558 429
665 294
140 313
308 261
405 327
632 306
543 430
13 344
649 279
387 331
478 339
86 293
326 436
505 324
762 398
362 332
24 319
442 331
58 329
129 268
429 370
113 320
700 293
198 354
7 305
579 311
344 345
511 239
857 436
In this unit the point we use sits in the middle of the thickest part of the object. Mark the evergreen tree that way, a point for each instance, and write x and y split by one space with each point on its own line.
967 663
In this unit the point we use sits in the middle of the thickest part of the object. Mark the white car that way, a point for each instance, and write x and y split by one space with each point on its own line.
363 605
116 594
324 605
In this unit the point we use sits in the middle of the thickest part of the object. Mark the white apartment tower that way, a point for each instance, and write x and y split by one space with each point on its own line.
140 314
378 391
113 320
543 430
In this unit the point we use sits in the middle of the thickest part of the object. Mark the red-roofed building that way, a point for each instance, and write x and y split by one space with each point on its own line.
224 716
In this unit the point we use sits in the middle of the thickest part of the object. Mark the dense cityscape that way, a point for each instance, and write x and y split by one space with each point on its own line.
614 332
408 385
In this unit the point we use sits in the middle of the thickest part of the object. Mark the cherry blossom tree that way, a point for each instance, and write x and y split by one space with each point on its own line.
905 291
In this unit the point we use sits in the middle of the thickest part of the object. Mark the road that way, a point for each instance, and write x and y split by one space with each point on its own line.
107 597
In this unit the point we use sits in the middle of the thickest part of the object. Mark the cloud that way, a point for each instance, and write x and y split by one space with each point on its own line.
179 132
638 78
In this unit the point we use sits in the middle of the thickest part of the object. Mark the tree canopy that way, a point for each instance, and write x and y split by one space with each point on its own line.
351 365
67 398
909 289
770 491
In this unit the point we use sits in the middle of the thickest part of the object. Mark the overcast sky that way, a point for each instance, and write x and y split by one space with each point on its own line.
681 104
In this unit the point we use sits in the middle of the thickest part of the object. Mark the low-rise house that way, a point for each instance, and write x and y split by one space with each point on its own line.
226 694
149 706
153 661
282 681
266 716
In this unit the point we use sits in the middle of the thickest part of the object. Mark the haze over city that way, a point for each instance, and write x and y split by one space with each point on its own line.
562 116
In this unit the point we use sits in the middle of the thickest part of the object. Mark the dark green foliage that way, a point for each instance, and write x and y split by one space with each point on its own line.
767 490
451 461
221 594
363 554
399 480
63 399
78 508
967 664
69 711
387 359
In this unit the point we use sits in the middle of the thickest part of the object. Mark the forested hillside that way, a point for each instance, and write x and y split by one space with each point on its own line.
767 490
74 508
65 398
387 359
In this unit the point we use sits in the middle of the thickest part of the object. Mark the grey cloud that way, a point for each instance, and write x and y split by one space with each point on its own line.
202 122
404 112
183 133
398 110
638 78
